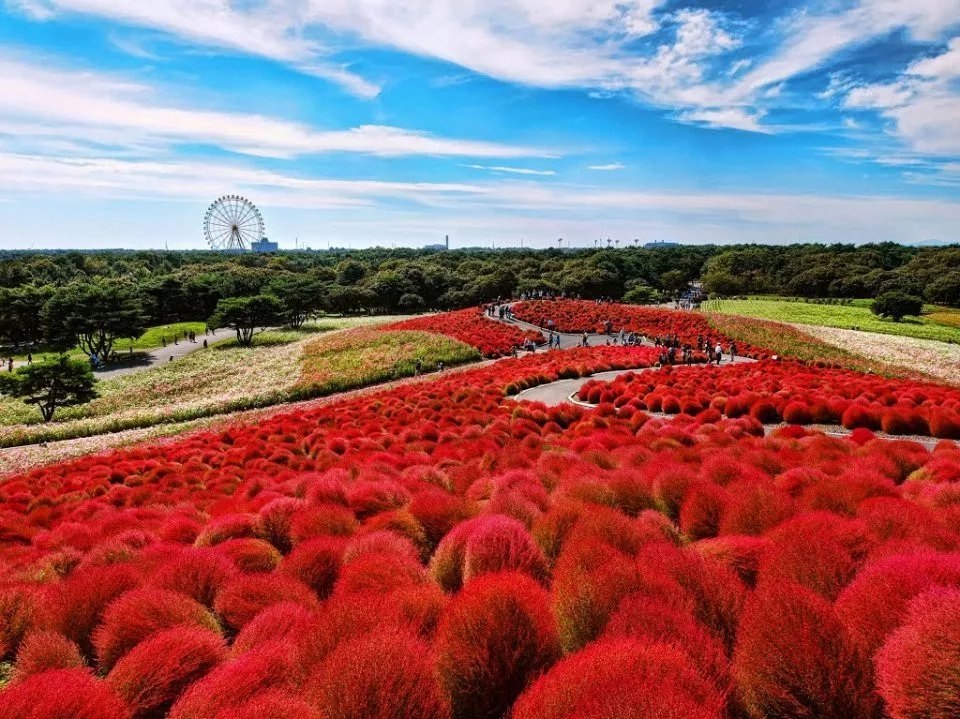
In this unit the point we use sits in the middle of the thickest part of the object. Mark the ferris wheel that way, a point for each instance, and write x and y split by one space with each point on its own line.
232 223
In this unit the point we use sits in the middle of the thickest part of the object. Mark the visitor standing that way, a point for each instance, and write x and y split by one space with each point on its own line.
733 351
718 352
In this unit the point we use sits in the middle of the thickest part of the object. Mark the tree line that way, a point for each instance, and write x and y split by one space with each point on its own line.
91 298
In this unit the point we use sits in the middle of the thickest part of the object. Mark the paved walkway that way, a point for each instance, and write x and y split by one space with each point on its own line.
152 358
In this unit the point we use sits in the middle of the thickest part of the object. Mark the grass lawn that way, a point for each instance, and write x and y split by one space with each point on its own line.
941 324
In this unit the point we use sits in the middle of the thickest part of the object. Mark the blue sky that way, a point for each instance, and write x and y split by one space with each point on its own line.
396 122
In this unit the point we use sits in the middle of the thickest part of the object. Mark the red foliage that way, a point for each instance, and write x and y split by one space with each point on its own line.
315 526
42 651
246 596
496 635
198 573
492 338
918 668
875 602
623 678
153 675
136 615
316 563
792 658
354 681
230 686
271 705
585 316
72 693
486 544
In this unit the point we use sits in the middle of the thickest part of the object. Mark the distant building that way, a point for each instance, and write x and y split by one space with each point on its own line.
439 247
660 245
263 245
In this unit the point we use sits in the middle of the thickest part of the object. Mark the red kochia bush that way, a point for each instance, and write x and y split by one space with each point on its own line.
233 684
918 669
316 563
486 544
198 573
42 651
654 620
874 603
134 616
246 596
19 610
60 694
79 601
153 675
792 658
615 678
386 674
271 705
495 636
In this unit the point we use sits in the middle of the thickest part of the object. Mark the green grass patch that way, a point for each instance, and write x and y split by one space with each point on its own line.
845 316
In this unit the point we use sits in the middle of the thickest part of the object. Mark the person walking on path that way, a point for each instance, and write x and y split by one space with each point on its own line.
29 358
733 351
417 367
718 352
584 341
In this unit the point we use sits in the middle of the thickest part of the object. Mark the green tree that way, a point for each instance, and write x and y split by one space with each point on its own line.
20 309
245 314
94 315
674 282
301 297
58 382
896 305
641 295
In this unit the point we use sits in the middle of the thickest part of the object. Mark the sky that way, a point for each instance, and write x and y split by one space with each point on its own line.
355 123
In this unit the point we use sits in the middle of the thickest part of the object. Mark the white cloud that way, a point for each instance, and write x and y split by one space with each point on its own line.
731 117
607 168
511 170
92 107
923 104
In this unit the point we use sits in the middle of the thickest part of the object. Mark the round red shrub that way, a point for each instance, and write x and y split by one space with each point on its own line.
875 602
60 694
753 507
42 651
742 554
283 621
250 555
495 636
153 675
231 685
792 658
797 413
386 674
79 601
246 596
918 668
701 510
944 424
764 412
615 678
380 573
20 609
134 616
316 562
654 620
198 573
271 705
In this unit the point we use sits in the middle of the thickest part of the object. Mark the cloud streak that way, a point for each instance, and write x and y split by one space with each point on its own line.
78 105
